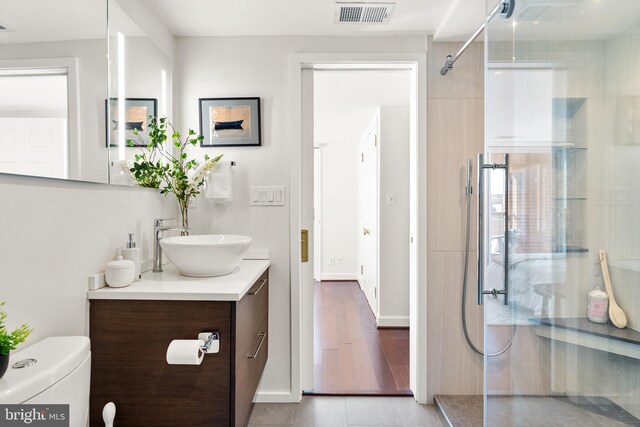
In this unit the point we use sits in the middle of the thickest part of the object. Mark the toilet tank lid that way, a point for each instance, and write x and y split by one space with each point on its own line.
57 357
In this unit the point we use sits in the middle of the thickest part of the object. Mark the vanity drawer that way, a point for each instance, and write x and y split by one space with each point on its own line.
252 346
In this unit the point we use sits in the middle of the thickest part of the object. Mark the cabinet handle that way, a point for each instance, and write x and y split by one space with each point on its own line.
264 281
262 336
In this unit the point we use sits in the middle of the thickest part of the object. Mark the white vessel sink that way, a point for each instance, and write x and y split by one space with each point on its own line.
205 255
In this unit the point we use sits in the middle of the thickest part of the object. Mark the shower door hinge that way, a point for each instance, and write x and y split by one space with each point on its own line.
361 269
362 157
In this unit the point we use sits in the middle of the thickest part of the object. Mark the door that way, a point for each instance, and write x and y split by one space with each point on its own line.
317 212
369 217
307 195
569 192
34 146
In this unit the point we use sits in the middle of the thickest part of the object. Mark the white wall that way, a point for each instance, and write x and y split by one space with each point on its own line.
339 210
55 234
259 66
393 280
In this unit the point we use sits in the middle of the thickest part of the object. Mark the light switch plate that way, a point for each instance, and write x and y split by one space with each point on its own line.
266 196
391 199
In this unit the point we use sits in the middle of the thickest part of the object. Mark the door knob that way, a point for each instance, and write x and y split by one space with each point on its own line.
365 231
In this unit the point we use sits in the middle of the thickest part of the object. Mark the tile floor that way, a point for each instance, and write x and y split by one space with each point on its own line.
535 411
334 411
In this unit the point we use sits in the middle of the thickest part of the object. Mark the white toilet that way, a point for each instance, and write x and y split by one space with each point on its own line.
61 375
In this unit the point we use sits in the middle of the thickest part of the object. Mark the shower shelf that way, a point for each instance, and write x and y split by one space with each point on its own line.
582 332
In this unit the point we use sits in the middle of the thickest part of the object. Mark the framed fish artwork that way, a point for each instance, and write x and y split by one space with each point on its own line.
136 116
230 122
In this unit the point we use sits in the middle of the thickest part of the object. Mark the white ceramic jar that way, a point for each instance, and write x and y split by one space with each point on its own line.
120 273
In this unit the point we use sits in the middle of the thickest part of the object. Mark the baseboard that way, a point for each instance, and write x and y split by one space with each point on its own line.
393 321
275 397
334 277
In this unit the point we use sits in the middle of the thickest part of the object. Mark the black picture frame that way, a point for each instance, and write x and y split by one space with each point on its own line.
151 106
232 130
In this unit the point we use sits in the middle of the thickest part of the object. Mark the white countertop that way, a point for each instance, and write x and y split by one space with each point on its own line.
170 285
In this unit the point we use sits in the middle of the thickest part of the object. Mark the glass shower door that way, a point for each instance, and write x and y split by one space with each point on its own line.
560 182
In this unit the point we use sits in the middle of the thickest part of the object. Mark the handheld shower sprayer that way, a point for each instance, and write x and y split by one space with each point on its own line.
468 189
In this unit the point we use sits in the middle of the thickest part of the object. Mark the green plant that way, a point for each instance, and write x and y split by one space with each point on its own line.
166 166
10 340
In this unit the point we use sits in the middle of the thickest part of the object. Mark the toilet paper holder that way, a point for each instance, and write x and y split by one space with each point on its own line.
211 342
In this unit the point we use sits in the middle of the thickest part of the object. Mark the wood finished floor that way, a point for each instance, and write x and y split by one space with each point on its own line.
338 411
352 356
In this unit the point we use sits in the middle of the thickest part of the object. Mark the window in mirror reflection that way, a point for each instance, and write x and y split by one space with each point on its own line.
34 122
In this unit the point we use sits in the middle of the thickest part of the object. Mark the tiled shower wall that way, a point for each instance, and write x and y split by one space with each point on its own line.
455 134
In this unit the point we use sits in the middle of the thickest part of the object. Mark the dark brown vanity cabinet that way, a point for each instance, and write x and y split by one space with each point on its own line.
129 340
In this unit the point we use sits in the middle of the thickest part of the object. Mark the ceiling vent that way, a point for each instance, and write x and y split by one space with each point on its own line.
550 11
363 13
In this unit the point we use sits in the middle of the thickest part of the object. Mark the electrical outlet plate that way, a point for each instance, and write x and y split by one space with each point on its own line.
96 281
391 199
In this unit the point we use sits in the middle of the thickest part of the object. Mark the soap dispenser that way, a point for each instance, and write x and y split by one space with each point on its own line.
132 253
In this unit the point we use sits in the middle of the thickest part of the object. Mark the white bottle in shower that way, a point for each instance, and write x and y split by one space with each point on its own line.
598 306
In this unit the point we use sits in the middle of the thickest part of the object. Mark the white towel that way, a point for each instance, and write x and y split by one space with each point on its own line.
219 185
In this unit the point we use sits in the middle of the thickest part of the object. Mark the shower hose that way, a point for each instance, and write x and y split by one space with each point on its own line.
468 192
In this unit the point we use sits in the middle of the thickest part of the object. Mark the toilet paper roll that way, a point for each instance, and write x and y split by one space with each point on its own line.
185 352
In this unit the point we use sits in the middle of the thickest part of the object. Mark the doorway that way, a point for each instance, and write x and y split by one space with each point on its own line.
361 231
302 161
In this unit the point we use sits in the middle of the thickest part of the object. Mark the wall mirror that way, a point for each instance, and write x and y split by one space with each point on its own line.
60 112
53 80
139 83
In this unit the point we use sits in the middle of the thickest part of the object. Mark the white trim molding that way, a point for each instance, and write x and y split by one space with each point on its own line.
393 321
275 397
339 276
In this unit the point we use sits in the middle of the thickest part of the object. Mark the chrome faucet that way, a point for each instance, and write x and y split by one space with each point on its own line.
158 230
